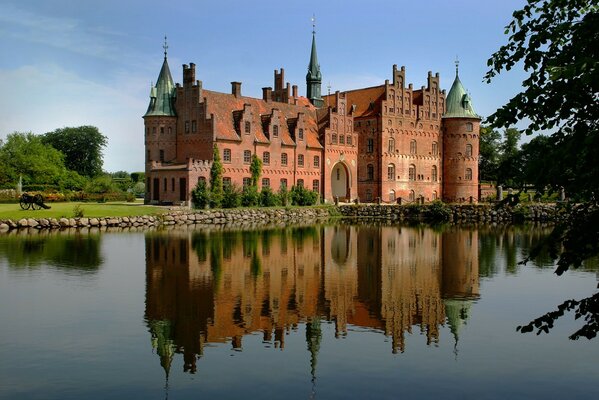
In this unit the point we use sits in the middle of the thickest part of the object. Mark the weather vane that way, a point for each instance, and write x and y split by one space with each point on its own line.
313 23
457 64
165 46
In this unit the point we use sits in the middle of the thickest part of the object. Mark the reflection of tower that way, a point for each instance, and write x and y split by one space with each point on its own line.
313 339
162 342
460 276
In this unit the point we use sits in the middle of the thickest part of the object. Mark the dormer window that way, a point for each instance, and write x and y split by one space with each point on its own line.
248 126
300 134
275 130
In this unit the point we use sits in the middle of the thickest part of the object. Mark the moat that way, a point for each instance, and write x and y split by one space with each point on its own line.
321 311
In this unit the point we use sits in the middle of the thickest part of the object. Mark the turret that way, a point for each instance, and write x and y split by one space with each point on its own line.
461 128
160 119
314 77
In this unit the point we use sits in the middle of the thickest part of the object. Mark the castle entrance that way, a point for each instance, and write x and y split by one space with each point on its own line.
340 181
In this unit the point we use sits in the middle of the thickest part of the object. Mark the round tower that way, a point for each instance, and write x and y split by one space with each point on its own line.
160 125
461 132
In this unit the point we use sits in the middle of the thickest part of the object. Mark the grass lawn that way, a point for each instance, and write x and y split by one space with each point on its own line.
111 209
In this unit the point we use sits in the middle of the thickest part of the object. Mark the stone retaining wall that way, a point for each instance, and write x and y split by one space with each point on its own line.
241 217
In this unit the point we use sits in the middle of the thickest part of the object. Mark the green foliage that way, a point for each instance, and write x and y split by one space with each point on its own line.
200 196
101 184
82 148
216 179
283 196
268 198
250 196
508 172
255 169
301 196
488 153
557 42
231 197
139 189
78 211
437 211
138 177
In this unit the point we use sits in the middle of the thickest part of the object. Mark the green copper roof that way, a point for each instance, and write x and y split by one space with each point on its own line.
162 96
313 67
459 104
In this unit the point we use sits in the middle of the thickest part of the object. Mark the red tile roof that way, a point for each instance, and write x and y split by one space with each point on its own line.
367 100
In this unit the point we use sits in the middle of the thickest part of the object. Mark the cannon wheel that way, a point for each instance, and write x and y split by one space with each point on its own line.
37 202
24 202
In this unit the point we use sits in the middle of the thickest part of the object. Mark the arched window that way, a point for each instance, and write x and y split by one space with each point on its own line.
468 150
300 134
266 158
248 126
435 149
391 195
413 147
434 173
368 194
469 127
468 176
227 155
334 138
341 139
391 172
412 196
435 195
412 172
349 140
391 145
370 172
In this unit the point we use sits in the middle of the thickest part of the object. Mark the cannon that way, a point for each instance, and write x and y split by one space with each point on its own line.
35 202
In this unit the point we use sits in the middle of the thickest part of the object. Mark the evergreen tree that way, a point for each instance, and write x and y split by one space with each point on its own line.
216 180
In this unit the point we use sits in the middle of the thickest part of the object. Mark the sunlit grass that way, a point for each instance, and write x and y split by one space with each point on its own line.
110 209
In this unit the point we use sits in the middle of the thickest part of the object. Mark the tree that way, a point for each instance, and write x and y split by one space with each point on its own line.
488 153
557 42
24 154
255 170
216 180
508 170
82 147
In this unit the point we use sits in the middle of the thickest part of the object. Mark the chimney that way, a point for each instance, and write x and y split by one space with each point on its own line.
189 74
266 93
294 89
236 89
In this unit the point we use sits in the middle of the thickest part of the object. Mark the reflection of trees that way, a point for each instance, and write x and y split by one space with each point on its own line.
73 251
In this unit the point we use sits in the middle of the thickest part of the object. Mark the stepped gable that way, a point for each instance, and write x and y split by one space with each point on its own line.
367 101
226 107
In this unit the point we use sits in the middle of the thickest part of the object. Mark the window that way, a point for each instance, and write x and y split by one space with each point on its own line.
300 182
284 183
186 126
266 158
147 131
227 155
248 126
148 156
162 129
226 181
194 126
369 145
391 196
435 149
247 182
434 195
368 194
161 155
172 184
334 138
391 172
247 156
412 195
203 179
153 129
300 134
391 145
469 127
265 182
284 159
468 176
349 140
275 130
412 172
316 185
413 147
370 172
341 139
316 161
468 150
300 160
434 173
170 130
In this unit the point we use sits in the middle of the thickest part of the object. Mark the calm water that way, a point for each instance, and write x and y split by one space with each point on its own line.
312 312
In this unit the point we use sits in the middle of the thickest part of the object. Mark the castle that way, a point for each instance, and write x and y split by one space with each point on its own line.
389 143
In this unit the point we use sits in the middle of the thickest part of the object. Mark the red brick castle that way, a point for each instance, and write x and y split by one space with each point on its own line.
386 143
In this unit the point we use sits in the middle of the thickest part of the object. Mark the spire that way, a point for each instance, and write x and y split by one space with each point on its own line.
314 77
459 104
162 95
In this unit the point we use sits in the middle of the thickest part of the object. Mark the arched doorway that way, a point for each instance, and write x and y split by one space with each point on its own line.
339 181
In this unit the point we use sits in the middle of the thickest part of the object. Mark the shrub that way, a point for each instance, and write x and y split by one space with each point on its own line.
250 196
437 211
200 196
231 197
301 196
77 211
268 198
283 196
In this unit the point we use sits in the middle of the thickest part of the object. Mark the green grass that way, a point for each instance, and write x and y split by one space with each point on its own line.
110 209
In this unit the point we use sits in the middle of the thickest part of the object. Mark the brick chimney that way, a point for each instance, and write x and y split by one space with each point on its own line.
236 89
266 93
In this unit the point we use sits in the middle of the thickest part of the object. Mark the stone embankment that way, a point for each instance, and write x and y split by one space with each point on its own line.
187 217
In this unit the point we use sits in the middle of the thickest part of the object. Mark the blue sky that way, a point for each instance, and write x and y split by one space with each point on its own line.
79 62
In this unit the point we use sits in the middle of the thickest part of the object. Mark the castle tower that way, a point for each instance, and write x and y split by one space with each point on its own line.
314 77
160 121
461 127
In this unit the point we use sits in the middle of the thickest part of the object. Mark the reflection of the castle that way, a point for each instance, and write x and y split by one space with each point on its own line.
213 287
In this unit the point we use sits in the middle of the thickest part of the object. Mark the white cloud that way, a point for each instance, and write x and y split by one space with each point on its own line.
49 97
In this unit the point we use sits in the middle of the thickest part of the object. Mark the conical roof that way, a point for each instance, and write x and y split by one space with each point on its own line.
459 104
162 95
314 67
